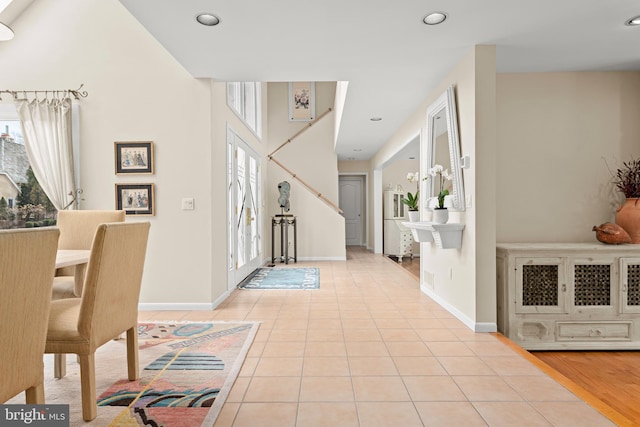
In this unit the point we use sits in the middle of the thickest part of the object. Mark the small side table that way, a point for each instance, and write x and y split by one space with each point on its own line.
284 221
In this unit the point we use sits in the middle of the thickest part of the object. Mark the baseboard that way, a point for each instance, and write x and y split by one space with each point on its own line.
470 323
344 258
176 306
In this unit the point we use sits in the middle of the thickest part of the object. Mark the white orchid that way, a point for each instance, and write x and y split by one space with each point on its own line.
444 175
413 176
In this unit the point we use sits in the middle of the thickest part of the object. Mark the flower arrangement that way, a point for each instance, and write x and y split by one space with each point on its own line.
442 175
412 199
627 179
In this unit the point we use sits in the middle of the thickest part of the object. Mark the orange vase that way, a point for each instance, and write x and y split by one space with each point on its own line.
628 217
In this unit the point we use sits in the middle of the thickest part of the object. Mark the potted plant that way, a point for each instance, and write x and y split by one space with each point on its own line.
627 180
440 212
412 199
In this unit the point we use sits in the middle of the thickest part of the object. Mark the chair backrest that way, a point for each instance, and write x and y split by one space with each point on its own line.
77 228
112 281
27 263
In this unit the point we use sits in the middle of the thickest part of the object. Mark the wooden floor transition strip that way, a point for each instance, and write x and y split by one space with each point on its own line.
606 410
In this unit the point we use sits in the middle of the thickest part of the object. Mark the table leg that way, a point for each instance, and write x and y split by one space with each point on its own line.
78 279
286 242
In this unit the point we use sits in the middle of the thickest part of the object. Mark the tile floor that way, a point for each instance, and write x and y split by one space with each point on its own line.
369 349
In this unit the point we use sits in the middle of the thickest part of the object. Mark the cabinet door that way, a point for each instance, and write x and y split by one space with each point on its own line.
630 285
540 285
593 287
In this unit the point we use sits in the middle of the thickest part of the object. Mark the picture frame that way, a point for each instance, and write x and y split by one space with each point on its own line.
136 199
302 101
134 157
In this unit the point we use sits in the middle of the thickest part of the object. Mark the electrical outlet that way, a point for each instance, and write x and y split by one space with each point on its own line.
187 204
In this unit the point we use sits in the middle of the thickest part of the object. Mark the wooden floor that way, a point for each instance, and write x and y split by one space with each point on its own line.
613 377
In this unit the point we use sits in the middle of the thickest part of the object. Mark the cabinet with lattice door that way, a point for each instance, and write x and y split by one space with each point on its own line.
569 296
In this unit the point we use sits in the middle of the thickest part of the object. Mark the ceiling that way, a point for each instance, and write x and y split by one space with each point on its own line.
391 60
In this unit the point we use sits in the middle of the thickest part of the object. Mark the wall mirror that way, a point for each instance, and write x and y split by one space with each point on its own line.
443 148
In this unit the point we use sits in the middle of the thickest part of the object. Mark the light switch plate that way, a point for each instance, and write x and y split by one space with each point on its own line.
187 204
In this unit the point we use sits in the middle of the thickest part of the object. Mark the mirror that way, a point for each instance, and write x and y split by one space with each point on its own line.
443 148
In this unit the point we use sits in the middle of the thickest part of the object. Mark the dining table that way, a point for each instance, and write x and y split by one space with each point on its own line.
74 257
67 258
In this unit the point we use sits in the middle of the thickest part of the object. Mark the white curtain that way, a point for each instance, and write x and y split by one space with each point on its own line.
46 127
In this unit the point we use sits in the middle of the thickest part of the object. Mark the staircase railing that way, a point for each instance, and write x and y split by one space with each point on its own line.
293 174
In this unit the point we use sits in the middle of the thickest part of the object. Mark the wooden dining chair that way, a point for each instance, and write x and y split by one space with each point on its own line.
107 308
27 264
77 229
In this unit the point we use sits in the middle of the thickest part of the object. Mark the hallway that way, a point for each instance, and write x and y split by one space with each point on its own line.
369 349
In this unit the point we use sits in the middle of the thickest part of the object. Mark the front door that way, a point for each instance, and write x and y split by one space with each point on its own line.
244 209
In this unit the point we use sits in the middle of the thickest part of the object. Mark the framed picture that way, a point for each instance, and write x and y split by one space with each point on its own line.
302 101
134 157
135 199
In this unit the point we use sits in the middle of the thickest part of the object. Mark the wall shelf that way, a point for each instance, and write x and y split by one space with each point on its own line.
445 236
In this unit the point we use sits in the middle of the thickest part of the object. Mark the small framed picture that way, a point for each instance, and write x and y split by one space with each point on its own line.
134 157
302 102
135 199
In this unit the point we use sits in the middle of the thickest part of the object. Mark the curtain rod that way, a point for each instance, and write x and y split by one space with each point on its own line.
77 94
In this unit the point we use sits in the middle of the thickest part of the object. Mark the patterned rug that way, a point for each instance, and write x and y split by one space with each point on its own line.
186 372
283 278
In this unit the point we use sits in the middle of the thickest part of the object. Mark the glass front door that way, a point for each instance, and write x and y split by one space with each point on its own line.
244 209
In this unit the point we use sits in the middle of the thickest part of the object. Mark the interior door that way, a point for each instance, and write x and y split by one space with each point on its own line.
244 209
351 205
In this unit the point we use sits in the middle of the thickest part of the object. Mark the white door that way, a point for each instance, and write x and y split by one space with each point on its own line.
351 205
244 209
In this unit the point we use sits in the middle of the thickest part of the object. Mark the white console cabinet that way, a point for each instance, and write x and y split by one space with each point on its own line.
398 240
563 296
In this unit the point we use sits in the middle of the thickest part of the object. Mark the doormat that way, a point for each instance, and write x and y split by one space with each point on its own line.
283 278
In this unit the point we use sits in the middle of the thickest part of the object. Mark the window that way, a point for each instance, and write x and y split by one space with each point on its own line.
244 98
23 203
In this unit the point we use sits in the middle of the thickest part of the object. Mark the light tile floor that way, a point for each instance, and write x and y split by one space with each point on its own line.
369 349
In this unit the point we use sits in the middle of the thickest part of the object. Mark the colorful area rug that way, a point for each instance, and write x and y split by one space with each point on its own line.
186 372
283 278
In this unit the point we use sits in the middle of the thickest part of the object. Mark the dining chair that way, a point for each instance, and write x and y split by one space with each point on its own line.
27 264
108 305
77 229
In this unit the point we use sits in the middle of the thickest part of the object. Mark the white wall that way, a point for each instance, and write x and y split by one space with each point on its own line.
463 280
396 174
321 233
558 136
137 92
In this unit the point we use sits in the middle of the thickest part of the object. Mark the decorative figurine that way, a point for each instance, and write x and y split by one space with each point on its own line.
611 233
284 187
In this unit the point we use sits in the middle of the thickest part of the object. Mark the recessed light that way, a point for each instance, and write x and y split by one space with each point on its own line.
6 33
375 119
208 19
357 149
434 18
634 21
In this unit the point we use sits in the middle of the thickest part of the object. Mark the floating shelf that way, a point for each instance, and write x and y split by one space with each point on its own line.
445 236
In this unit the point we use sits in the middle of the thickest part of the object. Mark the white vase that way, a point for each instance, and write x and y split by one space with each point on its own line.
440 215
414 216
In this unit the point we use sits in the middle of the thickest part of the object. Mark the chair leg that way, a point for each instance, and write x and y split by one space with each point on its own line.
88 386
59 365
132 353
35 394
